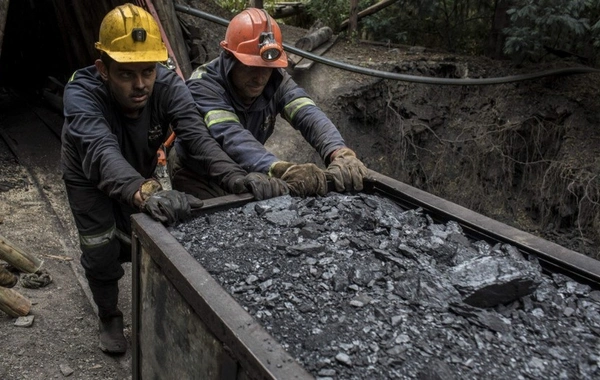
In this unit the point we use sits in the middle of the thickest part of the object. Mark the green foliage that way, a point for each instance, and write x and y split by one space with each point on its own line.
536 27
454 25
234 6
539 27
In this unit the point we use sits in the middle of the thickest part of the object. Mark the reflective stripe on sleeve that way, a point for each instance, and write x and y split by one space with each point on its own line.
197 73
92 241
219 116
292 107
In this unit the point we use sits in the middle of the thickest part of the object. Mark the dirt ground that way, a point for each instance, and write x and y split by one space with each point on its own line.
525 153
34 216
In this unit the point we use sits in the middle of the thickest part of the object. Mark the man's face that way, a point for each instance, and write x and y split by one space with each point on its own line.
130 83
249 81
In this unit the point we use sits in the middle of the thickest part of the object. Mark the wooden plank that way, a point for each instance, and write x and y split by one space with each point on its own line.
18 258
256 3
164 12
291 9
314 39
7 278
13 303
353 19
3 13
305 63
368 11
174 334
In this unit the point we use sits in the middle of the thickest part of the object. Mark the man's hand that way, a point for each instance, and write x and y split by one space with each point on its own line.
264 187
346 171
170 206
303 179
236 185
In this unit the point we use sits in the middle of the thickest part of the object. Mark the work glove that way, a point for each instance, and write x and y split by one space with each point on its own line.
166 206
236 185
346 171
302 179
265 187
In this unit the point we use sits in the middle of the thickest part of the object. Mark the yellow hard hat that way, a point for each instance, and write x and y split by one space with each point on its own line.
130 34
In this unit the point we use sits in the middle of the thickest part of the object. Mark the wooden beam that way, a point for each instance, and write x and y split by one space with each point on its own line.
368 11
313 40
13 303
164 11
3 13
300 63
7 278
283 11
18 258
353 19
256 3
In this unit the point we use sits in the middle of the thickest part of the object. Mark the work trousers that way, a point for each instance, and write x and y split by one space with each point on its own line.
185 180
104 228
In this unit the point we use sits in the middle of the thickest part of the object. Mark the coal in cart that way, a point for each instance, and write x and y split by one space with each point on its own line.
185 325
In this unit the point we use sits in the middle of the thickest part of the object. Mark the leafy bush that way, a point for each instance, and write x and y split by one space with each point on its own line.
538 28
330 12
234 6
454 25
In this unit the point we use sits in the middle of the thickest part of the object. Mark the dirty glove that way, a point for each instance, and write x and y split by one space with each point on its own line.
236 185
265 187
167 206
346 171
302 179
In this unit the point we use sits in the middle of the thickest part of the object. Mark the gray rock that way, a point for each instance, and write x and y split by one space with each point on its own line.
66 370
429 289
26 321
493 280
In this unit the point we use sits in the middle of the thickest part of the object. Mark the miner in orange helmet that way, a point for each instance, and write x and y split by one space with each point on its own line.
117 113
241 93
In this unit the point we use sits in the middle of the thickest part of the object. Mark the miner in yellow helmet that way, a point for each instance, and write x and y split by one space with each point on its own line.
241 93
117 113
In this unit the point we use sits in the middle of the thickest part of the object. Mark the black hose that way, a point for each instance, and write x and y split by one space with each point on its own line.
403 77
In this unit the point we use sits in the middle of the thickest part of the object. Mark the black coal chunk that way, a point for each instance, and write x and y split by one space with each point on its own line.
355 287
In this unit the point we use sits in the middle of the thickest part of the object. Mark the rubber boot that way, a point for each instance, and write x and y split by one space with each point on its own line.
106 296
112 340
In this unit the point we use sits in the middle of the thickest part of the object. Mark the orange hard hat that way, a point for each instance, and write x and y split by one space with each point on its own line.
254 38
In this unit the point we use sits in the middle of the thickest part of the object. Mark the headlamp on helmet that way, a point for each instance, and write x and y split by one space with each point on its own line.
254 38
268 48
138 34
129 33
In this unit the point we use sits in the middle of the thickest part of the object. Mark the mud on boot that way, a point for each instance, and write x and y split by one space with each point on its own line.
112 340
